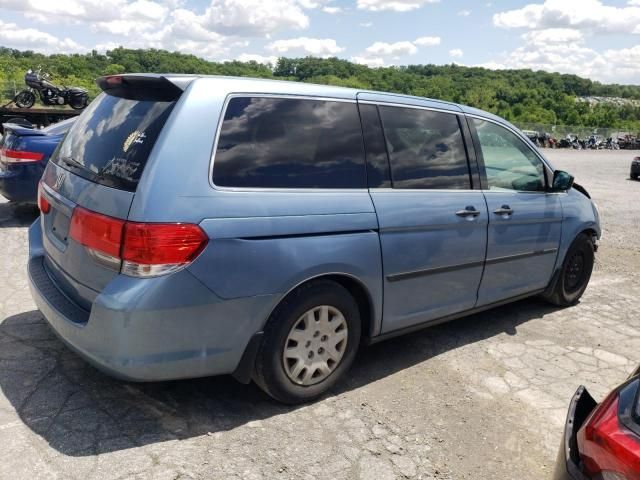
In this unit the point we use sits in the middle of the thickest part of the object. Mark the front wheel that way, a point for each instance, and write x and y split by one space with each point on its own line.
575 274
25 99
309 343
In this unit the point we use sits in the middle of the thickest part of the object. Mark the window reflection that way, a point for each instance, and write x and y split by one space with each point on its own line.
425 148
508 162
288 143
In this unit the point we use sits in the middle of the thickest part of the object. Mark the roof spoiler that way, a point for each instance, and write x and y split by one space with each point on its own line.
158 88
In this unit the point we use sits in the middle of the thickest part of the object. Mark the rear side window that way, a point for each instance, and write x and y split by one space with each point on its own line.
289 143
426 149
112 139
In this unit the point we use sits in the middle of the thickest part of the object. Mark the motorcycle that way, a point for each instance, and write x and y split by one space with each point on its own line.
49 93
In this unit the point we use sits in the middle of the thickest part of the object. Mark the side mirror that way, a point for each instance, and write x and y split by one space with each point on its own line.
562 181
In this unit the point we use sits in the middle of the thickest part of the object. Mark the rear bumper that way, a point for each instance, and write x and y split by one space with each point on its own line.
20 183
155 329
567 463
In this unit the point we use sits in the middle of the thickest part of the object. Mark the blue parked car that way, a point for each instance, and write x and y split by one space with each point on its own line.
196 226
24 153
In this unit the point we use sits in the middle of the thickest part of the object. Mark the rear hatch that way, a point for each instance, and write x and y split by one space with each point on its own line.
96 170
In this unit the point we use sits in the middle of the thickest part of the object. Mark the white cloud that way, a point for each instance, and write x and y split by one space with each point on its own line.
374 55
564 50
391 49
369 61
77 11
332 10
557 34
232 17
456 53
427 41
254 17
591 15
250 57
395 5
37 40
553 36
366 24
319 47
464 13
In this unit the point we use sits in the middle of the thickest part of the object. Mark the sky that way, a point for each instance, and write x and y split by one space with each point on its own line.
592 38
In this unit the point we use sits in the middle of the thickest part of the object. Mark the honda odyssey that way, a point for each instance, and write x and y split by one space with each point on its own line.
194 226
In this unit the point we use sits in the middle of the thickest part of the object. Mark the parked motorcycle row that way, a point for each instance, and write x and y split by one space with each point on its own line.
592 142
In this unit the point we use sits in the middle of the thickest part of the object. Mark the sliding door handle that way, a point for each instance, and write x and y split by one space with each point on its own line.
469 212
503 210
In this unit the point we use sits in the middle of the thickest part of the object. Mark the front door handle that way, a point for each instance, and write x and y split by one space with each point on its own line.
504 210
468 212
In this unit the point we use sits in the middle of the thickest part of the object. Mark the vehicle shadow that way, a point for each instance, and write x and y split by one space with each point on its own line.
80 411
17 214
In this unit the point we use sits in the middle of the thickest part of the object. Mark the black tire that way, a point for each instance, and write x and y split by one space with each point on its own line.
634 176
574 276
25 99
78 104
270 374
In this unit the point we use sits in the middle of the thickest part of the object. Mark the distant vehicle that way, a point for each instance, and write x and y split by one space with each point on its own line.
635 168
24 153
196 226
49 93
602 441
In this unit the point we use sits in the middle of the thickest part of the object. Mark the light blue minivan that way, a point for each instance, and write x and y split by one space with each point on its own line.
196 226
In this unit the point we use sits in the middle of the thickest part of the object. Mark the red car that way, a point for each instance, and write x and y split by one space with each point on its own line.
602 441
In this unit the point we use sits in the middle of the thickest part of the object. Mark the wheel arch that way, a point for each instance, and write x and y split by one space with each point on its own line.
244 371
354 286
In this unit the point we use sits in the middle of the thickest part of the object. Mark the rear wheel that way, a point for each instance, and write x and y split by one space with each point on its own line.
78 104
310 341
634 176
575 274
25 99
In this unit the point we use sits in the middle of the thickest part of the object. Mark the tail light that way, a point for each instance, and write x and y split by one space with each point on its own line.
609 442
19 156
137 249
43 203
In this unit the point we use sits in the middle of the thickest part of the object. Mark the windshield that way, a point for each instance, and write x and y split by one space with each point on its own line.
112 139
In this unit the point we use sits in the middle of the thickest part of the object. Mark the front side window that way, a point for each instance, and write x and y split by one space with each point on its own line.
426 149
509 163
269 142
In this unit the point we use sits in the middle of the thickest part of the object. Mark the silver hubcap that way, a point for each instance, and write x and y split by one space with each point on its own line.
315 345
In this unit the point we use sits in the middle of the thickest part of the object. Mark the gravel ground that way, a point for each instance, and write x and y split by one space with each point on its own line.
482 397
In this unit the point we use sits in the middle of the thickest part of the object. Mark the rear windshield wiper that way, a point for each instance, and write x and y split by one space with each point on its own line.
71 162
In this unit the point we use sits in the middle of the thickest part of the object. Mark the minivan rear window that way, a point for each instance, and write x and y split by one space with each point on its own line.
112 139
268 142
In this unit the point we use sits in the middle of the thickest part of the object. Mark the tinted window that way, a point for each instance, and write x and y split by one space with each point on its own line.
509 163
289 143
426 149
112 139
377 161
